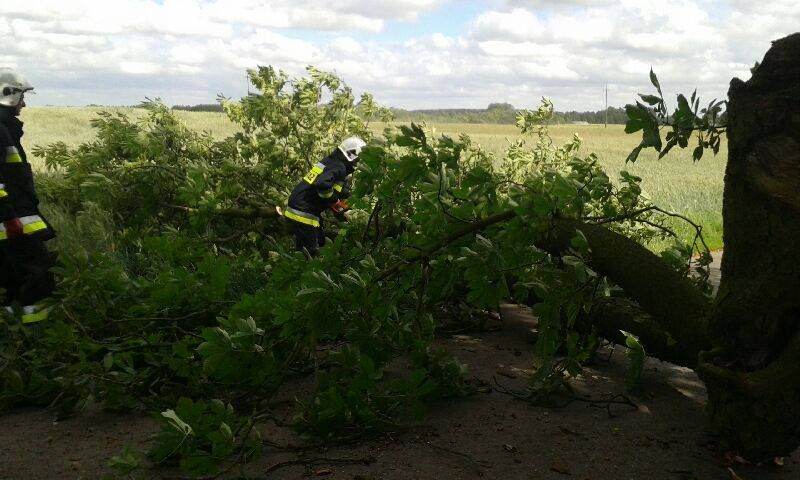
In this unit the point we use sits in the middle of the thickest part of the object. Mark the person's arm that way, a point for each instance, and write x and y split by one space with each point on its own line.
327 180
342 189
324 185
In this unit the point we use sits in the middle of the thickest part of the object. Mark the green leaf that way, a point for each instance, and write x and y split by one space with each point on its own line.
225 430
176 422
637 118
484 242
631 158
579 242
198 465
697 154
108 361
651 137
671 143
654 81
683 105
651 99
125 463
310 291
636 356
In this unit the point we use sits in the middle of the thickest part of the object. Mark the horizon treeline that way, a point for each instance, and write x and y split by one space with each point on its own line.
495 113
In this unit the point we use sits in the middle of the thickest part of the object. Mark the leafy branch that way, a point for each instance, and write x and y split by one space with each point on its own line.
686 120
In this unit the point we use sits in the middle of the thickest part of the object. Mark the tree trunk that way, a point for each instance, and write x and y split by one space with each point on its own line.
753 372
672 302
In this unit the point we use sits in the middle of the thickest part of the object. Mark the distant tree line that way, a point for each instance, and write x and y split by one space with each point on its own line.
203 107
502 113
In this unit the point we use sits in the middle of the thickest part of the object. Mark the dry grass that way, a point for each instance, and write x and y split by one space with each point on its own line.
46 125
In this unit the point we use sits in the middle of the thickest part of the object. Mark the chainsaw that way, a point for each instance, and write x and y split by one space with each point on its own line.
340 207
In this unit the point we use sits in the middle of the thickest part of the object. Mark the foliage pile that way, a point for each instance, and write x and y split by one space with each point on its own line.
183 285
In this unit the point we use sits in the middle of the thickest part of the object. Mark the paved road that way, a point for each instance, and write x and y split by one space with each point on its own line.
715 275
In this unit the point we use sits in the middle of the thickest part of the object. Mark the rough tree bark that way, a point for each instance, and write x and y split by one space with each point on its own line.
753 374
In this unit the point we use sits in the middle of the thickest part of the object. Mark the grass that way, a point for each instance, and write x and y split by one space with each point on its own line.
675 183
46 125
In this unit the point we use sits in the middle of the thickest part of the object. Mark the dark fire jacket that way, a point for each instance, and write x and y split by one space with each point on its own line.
321 187
17 192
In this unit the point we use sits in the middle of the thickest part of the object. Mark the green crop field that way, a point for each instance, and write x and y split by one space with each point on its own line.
675 183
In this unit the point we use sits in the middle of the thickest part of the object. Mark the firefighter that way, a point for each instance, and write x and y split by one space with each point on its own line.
24 259
324 187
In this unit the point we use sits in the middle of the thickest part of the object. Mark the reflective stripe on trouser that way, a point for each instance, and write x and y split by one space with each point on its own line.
31 313
12 155
338 186
301 217
30 224
34 313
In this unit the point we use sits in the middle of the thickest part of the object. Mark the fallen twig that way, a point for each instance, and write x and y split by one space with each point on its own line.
320 460
475 463
527 395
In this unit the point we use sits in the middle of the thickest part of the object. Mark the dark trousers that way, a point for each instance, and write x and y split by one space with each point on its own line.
307 237
26 274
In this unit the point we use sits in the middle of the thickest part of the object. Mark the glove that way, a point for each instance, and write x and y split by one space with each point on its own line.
13 228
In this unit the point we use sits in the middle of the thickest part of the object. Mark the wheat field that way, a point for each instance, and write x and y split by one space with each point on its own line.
675 183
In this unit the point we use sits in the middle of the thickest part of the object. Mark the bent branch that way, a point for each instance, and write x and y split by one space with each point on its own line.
659 290
610 315
671 300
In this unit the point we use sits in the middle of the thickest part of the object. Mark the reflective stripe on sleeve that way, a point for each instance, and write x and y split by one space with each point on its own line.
3 192
302 217
325 193
30 224
12 155
338 186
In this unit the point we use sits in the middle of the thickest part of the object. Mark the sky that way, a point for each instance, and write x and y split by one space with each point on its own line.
407 53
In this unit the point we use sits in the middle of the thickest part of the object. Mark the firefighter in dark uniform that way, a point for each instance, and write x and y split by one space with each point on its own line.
26 262
324 187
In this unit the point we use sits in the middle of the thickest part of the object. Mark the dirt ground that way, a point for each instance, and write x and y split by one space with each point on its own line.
488 435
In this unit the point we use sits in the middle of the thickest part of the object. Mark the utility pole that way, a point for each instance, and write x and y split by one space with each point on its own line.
606 124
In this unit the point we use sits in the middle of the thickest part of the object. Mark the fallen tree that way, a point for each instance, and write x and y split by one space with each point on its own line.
181 283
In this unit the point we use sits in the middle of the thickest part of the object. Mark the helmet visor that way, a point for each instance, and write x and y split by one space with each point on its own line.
352 155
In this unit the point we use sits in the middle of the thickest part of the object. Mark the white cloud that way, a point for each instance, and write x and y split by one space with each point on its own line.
346 46
342 15
139 68
85 51
517 24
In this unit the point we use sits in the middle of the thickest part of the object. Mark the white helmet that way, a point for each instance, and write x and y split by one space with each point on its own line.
351 148
12 87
